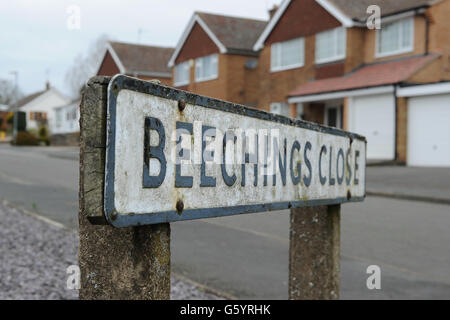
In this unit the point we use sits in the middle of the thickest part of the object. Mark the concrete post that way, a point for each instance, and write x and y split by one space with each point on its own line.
128 263
314 253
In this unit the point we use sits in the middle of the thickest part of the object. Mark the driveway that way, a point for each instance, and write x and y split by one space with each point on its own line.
426 184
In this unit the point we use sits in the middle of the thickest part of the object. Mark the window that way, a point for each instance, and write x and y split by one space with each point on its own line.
395 38
206 68
71 114
288 55
182 74
331 45
333 116
281 108
38 116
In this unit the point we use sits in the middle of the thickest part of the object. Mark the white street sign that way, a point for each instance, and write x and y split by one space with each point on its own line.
173 155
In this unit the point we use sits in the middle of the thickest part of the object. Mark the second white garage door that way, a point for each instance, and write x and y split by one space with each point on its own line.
374 117
429 131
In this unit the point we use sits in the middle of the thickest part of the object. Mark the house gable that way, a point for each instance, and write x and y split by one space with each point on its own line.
300 19
197 44
46 102
108 66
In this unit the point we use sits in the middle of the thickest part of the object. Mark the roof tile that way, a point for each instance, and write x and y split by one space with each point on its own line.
236 34
141 58
373 75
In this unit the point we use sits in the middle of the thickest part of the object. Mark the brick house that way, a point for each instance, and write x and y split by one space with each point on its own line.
140 61
319 61
215 57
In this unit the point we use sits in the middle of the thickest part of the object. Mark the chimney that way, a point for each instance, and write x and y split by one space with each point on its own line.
272 11
47 85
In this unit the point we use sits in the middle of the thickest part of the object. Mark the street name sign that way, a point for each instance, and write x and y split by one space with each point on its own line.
173 155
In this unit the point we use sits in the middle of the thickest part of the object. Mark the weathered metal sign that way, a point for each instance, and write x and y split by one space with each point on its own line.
173 155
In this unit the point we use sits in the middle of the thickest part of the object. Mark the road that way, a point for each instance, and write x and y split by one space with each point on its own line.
247 256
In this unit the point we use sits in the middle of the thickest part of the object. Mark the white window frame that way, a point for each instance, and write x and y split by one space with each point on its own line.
379 54
199 63
336 57
186 68
277 45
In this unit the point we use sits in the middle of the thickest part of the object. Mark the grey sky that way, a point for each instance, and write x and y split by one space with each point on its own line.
35 40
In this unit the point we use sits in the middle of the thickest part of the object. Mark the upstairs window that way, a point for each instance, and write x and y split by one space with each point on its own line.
182 74
287 55
331 45
395 38
206 68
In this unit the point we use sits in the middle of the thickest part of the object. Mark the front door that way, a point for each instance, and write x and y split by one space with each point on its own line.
333 116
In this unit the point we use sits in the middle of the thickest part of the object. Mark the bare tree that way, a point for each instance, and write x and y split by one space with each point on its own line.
85 66
9 93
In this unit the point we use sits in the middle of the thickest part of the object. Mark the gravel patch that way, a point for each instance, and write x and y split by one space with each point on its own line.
34 257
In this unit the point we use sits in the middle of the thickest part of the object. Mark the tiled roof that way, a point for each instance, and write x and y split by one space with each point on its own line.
378 74
142 59
236 34
26 100
356 9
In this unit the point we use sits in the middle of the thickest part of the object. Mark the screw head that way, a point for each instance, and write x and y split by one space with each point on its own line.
181 105
114 216
180 206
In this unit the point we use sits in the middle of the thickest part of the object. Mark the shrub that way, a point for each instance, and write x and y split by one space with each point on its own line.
25 138
43 133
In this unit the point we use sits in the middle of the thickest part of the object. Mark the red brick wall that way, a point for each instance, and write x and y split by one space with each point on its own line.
302 18
330 70
197 44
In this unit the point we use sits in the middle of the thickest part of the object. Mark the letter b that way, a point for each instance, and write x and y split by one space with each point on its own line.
154 152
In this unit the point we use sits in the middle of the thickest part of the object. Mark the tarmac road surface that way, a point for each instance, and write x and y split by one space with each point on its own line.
247 256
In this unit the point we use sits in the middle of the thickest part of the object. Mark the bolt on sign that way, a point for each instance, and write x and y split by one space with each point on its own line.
173 155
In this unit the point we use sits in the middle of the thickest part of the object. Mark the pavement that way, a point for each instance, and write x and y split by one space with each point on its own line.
411 183
247 256
37 253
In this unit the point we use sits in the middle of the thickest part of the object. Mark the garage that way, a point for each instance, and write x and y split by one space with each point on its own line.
373 116
429 131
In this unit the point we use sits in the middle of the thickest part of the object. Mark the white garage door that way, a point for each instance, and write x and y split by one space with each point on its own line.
374 117
429 131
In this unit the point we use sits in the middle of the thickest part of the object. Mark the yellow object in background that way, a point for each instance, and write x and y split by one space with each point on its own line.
2 135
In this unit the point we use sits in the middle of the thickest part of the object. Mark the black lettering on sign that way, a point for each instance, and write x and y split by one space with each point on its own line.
340 165
348 178
247 156
281 160
356 181
182 154
207 181
307 180
154 152
229 136
323 179
295 178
